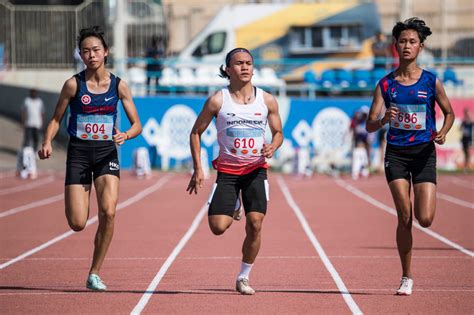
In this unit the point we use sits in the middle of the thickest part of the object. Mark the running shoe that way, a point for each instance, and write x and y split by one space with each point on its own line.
242 286
95 283
406 286
238 210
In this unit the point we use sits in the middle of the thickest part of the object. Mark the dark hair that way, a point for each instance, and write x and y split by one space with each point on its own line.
94 31
415 24
228 57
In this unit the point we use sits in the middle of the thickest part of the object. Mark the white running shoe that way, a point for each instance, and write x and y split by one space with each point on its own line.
95 283
242 286
406 286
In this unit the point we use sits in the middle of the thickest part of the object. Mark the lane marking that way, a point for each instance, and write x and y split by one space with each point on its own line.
392 211
27 186
462 182
319 249
454 200
120 206
32 205
164 268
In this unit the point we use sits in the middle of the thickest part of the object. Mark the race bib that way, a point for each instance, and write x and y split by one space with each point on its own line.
245 141
94 127
409 117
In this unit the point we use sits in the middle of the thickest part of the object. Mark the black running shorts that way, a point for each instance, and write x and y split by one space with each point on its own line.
416 163
89 159
254 187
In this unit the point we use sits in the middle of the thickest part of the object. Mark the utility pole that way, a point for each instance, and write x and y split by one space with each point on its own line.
120 37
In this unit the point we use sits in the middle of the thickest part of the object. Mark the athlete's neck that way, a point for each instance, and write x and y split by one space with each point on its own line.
243 94
408 69
97 75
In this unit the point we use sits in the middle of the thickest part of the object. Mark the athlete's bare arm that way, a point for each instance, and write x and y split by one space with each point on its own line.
130 110
445 105
274 122
374 123
210 110
67 93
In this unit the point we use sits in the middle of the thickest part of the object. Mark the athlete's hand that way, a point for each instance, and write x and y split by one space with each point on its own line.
390 114
119 137
45 151
196 182
440 138
268 150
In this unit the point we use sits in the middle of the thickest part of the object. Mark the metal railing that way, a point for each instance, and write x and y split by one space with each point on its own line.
44 36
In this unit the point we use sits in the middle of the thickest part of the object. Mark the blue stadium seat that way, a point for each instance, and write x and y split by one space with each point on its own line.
450 76
344 78
328 78
362 78
378 74
310 77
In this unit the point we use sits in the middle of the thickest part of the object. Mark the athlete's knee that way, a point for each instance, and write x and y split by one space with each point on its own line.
107 215
425 220
217 229
76 225
254 226
405 221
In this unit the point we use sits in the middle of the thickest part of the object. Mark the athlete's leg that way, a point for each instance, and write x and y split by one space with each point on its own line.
253 228
76 199
400 189
425 203
219 223
107 189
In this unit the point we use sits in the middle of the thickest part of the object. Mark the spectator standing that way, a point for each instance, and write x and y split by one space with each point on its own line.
154 55
466 139
381 52
32 115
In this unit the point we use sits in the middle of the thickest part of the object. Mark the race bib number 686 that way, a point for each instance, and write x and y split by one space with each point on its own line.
409 117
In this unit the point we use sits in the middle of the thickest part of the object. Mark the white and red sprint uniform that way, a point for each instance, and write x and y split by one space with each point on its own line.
241 135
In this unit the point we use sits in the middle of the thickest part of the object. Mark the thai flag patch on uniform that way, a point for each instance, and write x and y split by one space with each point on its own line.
422 94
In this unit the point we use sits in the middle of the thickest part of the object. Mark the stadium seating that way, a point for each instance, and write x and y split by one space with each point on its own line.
450 77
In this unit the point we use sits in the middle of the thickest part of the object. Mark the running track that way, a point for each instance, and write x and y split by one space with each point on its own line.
328 248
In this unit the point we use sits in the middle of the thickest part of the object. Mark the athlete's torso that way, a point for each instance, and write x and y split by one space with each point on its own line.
93 116
241 134
415 122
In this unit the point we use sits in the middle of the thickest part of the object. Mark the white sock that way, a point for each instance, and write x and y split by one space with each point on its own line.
244 271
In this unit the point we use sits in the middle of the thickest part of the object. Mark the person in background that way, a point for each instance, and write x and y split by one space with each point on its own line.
466 138
154 63
32 116
381 52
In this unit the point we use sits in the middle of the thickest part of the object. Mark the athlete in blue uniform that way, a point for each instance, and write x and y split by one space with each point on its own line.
92 96
408 96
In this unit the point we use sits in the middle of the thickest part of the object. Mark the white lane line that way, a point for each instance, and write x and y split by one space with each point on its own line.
164 268
31 205
456 201
462 182
392 211
319 249
120 206
27 186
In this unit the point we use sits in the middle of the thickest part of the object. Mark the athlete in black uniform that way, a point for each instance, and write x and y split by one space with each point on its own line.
92 96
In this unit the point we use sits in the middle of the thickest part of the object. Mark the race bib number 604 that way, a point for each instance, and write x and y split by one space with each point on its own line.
409 117
94 127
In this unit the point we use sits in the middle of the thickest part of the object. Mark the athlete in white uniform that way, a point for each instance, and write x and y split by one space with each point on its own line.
242 113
